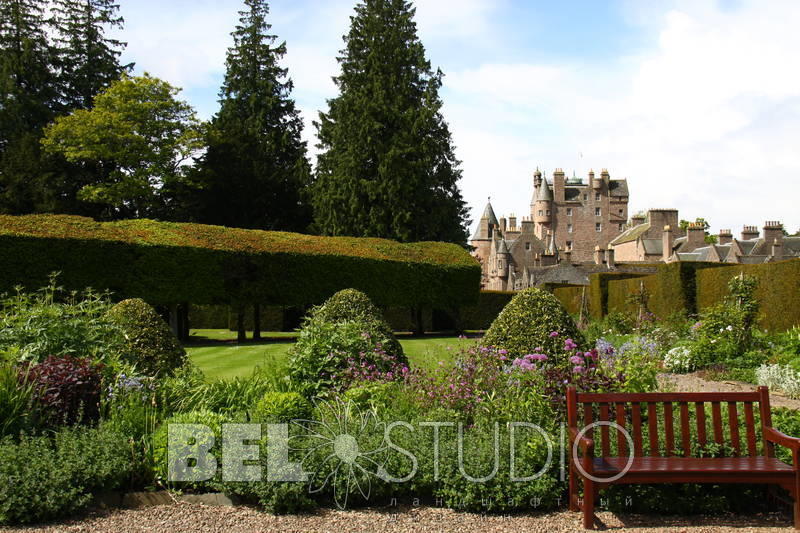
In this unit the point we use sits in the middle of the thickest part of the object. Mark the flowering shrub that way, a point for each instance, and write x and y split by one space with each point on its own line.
679 359
780 377
638 361
66 389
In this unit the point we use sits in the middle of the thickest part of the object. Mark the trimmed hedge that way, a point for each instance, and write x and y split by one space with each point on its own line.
778 291
570 296
166 263
598 290
489 306
671 290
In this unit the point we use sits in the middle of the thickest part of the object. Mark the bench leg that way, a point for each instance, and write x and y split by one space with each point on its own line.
588 504
796 501
573 488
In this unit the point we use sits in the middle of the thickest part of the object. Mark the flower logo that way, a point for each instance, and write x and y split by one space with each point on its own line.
348 446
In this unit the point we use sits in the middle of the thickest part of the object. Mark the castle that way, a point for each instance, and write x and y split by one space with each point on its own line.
577 227
569 219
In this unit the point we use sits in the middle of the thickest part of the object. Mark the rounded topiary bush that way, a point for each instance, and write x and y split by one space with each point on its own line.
351 305
280 407
149 342
527 323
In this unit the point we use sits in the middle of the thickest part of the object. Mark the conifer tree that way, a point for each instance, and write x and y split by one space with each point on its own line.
28 100
255 169
387 167
88 60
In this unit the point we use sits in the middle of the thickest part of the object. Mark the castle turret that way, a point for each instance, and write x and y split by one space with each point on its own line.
503 256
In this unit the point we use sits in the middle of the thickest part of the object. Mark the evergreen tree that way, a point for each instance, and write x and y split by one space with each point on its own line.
88 60
387 167
28 100
255 169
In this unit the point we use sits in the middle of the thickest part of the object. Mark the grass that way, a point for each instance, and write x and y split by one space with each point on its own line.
219 359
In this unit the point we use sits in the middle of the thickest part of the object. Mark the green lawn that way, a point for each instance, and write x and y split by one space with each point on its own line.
225 360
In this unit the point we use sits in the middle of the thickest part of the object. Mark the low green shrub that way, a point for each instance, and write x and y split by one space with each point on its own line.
161 441
16 403
51 476
150 345
279 407
527 324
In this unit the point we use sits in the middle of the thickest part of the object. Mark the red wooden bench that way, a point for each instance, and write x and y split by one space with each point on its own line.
663 460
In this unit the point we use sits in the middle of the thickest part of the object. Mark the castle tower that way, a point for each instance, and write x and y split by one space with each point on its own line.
541 205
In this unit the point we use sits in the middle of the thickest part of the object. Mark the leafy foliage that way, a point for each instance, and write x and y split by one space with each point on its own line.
136 136
66 389
280 407
50 476
52 321
525 325
150 345
387 166
16 403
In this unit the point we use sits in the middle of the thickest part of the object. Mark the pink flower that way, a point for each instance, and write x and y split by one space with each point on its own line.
553 334
576 360
577 369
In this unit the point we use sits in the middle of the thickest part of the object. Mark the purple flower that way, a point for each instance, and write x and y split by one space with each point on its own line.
569 345
578 369
576 360
553 334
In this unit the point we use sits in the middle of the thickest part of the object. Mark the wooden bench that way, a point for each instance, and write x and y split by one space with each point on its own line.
663 460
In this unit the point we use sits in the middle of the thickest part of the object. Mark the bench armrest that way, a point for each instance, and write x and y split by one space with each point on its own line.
773 435
586 444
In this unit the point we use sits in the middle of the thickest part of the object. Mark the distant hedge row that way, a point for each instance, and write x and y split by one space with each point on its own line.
167 263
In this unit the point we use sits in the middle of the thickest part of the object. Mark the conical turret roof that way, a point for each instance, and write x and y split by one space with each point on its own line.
489 214
543 193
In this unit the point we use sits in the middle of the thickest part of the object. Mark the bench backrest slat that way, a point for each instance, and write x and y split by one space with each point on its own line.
669 431
655 414
733 422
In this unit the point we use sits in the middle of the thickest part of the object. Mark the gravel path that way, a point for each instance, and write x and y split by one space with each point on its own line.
186 517
695 382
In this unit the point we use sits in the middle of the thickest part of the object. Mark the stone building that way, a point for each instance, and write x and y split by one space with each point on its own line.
580 216
658 238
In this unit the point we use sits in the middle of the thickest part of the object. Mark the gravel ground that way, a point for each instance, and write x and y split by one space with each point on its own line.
186 517
694 382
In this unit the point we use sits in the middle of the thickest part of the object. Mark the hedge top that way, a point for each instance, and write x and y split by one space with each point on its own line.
150 232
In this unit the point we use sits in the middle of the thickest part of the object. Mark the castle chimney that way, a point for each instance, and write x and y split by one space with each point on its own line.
558 185
777 250
695 237
503 224
725 236
667 243
637 220
773 231
610 263
598 255
595 183
512 222
749 232
567 253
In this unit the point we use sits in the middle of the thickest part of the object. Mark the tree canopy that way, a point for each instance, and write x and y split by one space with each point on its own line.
387 166
136 137
255 170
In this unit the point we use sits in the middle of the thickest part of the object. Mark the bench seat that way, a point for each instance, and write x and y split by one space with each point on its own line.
611 466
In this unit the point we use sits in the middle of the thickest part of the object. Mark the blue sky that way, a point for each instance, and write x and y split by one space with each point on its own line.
696 102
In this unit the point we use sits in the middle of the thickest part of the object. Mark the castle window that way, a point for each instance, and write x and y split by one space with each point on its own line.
569 228
527 246
569 245
598 227
620 211
597 196
548 212
569 211
585 197
597 212
620 227
541 212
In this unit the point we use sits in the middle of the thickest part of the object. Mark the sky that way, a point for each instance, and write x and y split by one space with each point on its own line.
695 102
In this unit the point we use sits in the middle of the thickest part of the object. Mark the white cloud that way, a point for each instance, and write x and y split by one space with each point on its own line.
706 121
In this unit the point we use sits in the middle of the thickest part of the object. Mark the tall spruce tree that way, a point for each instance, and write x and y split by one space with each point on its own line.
387 166
28 101
255 169
88 60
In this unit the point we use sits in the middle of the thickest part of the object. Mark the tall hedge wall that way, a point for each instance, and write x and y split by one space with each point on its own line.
167 263
570 297
598 290
481 315
671 290
778 290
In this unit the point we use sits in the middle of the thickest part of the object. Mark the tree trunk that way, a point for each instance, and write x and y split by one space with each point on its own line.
174 320
256 321
419 326
242 333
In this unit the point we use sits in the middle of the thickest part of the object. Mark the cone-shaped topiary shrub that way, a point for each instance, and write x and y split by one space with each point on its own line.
342 342
527 324
351 305
149 342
